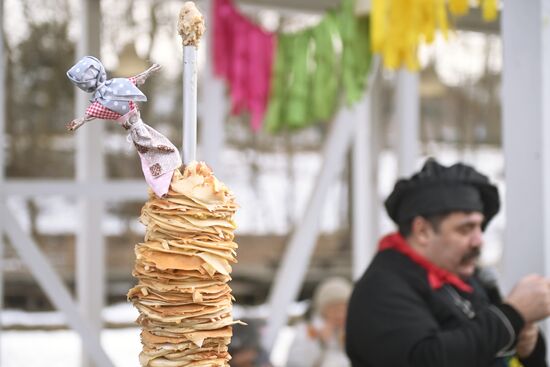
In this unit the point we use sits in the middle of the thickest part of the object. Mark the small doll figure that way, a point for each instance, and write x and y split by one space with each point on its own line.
115 99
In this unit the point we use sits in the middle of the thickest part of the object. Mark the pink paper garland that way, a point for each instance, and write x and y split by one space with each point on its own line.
243 57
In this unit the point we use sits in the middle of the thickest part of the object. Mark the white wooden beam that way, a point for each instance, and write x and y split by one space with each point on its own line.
53 286
2 155
407 102
366 201
120 190
544 15
2 97
376 144
364 190
293 268
212 104
90 165
526 133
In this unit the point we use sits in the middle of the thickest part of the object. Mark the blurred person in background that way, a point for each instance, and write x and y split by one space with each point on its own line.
423 300
245 347
320 342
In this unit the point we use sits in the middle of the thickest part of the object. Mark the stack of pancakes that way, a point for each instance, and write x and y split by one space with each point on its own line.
183 268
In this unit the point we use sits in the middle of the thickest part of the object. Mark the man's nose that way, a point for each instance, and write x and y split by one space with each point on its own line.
477 238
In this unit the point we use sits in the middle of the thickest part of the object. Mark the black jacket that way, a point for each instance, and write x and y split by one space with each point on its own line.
395 319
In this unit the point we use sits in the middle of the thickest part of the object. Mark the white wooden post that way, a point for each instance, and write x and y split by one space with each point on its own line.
2 100
366 201
545 124
407 103
376 144
90 167
2 156
526 133
53 286
293 268
213 103
364 189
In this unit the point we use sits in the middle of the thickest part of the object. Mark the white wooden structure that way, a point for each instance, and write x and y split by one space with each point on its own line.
526 129
526 121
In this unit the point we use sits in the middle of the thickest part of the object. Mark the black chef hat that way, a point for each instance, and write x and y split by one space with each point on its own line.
438 189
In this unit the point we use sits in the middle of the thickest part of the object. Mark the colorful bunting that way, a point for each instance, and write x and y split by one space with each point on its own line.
243 56
302 85
310 70
399 26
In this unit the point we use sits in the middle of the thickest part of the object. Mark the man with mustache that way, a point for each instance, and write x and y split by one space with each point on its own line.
422 302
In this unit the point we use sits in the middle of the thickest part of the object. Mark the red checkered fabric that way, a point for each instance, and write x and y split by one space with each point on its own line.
99 111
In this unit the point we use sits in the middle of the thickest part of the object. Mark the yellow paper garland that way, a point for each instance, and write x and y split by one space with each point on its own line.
399 26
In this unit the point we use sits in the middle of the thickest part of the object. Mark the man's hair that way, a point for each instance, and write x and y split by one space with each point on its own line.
435 220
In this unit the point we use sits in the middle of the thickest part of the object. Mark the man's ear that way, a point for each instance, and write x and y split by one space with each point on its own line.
421 230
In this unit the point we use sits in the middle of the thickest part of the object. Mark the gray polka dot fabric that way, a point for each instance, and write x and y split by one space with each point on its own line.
115 94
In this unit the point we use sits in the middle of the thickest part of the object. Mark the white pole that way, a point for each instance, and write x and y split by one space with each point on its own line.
213 104
545 46
189 103
90 167
2 157
407 103
523 139
376 143
526 139
362 189
190 28
526 133
2 99
544 245
365 205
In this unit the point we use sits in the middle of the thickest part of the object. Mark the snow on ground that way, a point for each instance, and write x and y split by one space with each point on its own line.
62 348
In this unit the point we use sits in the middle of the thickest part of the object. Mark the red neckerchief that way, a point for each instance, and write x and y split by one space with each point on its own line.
437 277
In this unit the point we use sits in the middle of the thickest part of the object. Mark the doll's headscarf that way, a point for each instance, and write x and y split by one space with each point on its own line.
115 94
